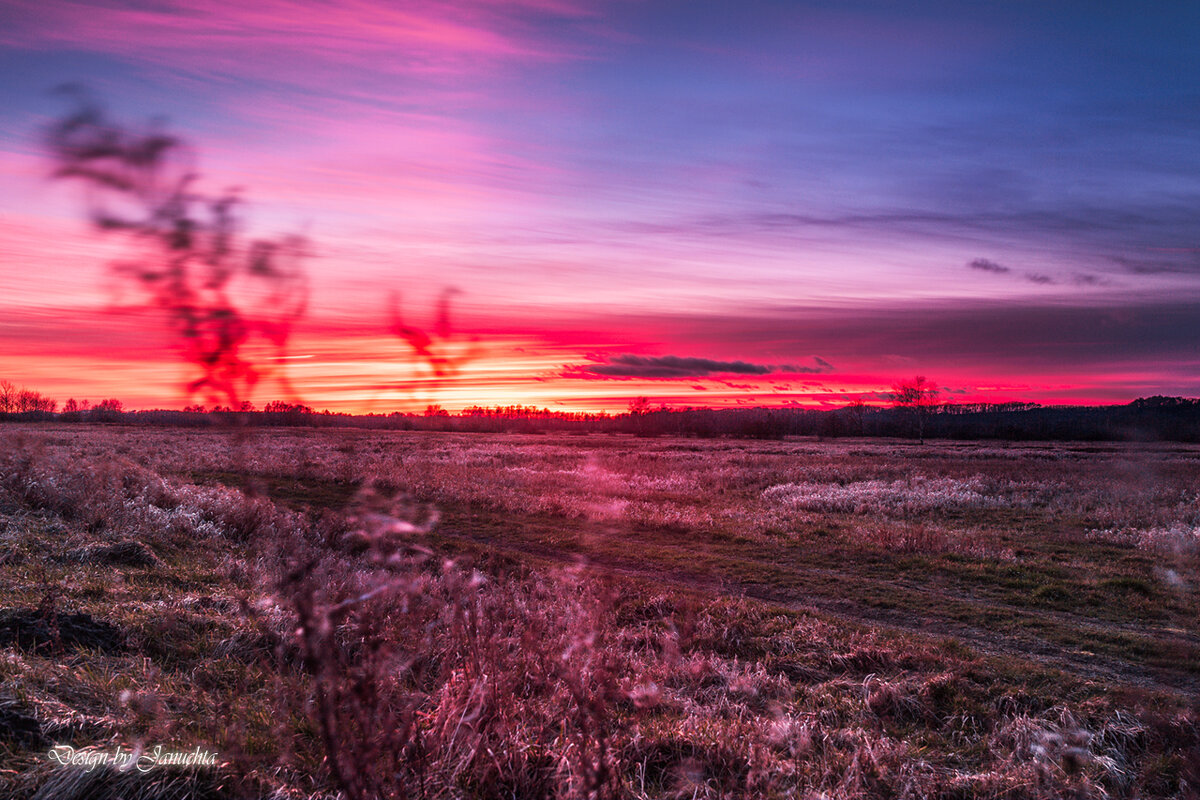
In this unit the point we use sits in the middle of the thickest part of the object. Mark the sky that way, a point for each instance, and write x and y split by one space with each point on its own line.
571 204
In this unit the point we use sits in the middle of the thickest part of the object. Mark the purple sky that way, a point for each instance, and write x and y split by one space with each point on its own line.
635 197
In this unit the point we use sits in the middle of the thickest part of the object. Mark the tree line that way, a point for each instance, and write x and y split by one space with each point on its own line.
1145 419
27 403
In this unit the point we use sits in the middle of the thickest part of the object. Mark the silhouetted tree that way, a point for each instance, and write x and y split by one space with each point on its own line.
639 406
917 396
19 400
36 401
855 415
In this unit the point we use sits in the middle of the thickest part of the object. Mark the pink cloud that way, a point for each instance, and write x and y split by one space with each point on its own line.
268 38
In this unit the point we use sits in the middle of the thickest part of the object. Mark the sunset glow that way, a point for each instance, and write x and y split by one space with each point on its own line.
703 204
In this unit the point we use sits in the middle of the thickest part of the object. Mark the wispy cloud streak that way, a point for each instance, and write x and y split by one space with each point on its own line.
634 366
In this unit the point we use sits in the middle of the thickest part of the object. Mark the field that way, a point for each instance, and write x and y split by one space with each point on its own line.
360 614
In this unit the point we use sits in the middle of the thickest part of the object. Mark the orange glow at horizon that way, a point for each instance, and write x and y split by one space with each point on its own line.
378 375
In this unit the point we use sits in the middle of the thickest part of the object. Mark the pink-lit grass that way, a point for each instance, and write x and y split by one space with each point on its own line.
681 662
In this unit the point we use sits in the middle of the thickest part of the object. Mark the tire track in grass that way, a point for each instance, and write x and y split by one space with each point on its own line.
1021 645
558 541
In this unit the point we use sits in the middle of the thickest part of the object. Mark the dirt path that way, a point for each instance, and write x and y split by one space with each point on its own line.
1022 645
825 590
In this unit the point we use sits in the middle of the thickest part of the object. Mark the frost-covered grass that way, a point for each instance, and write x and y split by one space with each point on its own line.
1177 539
913 495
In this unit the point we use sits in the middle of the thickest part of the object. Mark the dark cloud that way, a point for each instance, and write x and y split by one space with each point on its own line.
632 366
821 366
1078 279
987 265
1165 229
1078 336
1147 224
1156 265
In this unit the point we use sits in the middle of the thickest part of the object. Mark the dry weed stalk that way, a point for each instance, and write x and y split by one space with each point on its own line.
429 679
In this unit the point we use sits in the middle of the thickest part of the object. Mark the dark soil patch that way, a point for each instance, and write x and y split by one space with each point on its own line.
30 629
21 728
120 554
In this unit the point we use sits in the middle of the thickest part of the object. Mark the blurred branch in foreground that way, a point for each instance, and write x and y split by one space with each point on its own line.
223 293
442 351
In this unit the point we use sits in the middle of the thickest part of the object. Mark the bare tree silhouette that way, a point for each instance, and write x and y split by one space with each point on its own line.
8 397
219 289
917 396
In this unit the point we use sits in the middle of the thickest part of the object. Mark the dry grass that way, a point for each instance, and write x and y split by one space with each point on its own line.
388 615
